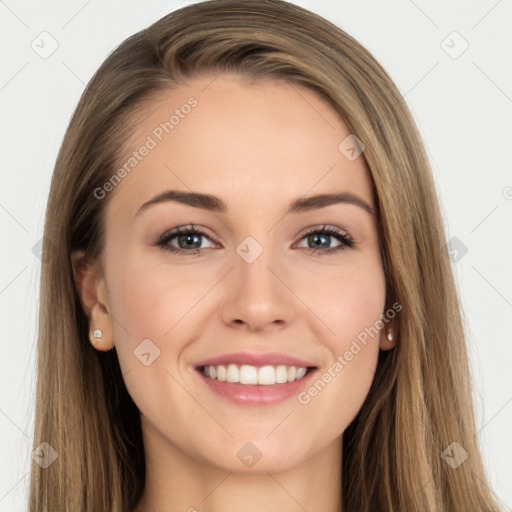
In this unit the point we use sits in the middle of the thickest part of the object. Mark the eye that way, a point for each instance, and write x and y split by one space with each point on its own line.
187 240
321 237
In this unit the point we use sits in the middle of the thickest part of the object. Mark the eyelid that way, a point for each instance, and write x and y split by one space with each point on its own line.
323 227
178 230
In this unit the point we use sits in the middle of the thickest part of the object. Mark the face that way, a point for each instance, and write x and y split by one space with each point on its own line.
249 287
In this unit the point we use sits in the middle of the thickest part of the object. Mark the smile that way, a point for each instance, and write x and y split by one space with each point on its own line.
251 375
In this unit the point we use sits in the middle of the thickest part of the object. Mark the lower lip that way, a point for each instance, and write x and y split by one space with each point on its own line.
243 394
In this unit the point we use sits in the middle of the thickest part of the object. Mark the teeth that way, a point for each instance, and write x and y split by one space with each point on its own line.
248 374
233 375
281 375
221 372
266 375
252 375
301 372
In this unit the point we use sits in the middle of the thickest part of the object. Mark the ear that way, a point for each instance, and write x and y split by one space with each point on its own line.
388 337
90 285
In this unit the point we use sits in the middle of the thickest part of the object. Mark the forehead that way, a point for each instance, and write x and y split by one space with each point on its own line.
260 140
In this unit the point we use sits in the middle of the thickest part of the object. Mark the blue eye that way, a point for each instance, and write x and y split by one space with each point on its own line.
317 236
188 240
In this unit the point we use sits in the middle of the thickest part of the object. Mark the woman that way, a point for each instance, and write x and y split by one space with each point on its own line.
268 369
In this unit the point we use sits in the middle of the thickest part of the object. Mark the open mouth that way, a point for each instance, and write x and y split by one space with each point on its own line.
248 375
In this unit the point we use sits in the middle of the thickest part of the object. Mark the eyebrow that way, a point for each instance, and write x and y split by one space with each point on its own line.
215 204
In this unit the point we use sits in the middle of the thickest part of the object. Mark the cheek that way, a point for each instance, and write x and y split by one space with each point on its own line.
349 302
357 311
149 299
155 309
352 307
338 392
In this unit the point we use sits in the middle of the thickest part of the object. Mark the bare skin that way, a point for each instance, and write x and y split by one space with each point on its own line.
258 147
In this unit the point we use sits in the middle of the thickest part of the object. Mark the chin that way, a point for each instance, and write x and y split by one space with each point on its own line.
260 456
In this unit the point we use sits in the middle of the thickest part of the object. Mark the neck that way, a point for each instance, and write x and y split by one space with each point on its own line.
175 481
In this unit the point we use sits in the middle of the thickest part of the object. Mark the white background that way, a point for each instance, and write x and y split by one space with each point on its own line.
462 105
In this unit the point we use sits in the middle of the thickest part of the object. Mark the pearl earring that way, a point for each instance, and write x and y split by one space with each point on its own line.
96 335
390 336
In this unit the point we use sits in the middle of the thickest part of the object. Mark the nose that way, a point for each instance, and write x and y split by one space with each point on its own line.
257 296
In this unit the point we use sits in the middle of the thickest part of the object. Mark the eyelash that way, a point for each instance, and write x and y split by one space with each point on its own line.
345 240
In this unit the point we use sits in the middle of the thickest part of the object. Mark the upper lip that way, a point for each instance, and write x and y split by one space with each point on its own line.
269 358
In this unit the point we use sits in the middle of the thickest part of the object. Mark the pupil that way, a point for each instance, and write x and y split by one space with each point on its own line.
316 237
187 239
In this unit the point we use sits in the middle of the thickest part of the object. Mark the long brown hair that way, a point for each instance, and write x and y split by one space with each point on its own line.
421 399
